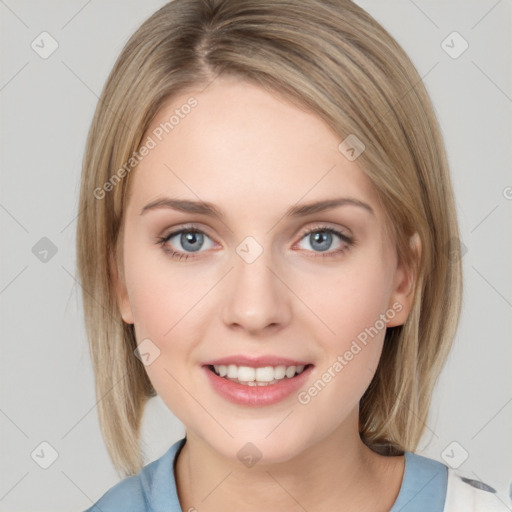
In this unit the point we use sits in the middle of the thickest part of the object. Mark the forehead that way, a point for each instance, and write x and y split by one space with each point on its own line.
237 144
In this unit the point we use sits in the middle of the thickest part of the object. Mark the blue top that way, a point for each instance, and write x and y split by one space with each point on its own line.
153 489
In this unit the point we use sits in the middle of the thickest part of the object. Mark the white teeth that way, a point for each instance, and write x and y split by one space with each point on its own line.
290 371
257 376
246 374
265 374
279 372
232 371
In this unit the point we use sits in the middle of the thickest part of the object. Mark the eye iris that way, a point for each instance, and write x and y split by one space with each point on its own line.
324 238
191 238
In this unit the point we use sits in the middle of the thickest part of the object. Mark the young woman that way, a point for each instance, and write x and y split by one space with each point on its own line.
266 242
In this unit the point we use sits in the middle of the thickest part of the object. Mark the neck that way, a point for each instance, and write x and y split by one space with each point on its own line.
339 472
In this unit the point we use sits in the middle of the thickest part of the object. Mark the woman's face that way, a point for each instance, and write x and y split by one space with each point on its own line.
250 281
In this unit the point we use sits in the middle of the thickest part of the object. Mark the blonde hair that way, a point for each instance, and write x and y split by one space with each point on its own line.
334 59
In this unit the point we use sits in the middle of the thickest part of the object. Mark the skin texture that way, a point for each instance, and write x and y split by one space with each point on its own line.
254 155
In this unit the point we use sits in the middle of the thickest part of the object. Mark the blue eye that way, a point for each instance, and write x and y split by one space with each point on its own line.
190 240
320 239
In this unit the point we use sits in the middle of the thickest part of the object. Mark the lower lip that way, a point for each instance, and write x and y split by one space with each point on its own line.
256 396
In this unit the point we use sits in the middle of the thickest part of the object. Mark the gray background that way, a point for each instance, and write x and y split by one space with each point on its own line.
47 105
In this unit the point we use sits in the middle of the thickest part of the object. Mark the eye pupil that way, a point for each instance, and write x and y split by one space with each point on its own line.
324 238
189 241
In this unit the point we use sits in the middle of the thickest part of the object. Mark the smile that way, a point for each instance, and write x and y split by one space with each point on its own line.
257 386
262 376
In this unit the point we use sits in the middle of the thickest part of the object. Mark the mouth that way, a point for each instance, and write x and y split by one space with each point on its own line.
258 376
257 382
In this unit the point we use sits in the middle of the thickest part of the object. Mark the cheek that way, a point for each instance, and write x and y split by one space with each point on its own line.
353 310
153 307
166 308
350 359
169 305
161 293
364 298
348 300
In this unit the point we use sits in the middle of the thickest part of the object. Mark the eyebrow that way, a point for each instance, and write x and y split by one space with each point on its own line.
205 208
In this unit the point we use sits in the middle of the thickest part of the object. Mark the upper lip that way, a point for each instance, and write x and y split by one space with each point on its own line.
255 361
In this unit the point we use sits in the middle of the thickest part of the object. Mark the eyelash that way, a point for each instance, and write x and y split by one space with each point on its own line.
317 229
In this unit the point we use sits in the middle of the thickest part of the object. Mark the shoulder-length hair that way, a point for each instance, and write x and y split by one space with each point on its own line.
334 59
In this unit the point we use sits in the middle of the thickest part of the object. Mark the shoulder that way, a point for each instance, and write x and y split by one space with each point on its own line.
431 486
148 491
126 496
465 493
423 486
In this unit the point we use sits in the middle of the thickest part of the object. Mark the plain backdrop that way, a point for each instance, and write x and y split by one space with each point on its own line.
47 102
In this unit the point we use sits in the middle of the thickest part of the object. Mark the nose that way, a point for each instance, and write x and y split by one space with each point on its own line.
255 298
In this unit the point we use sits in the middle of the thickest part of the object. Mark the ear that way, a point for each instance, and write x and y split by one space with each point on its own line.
404 284
123 302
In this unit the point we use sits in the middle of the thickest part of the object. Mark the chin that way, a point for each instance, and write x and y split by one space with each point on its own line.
254 448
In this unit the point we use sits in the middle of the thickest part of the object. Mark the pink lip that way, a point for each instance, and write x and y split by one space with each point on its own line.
256 396
255 362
